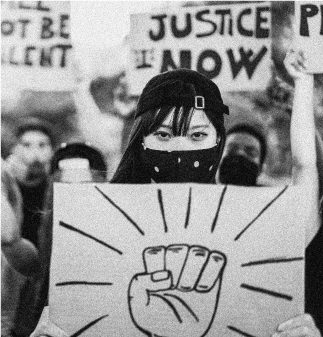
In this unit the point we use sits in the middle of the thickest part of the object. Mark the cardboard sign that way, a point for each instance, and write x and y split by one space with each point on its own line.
229 44
309 32
176 260
36 45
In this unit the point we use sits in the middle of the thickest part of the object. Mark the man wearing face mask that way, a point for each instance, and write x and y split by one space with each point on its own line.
244 154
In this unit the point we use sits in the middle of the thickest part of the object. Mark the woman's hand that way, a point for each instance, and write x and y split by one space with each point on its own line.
11 207
299 326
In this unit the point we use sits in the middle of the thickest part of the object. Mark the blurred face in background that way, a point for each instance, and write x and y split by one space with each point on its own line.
241 161
244 144
34 150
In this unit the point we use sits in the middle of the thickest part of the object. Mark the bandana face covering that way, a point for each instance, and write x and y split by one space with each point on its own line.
196 166
238 170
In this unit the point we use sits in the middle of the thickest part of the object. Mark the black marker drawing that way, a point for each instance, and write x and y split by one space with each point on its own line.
272 260
87 283
177 293
74 229
260 213
267 292
161 204
239 331
218 209
188 211
87 326
165 299
121 211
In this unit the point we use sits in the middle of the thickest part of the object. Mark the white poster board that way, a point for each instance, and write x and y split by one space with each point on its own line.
36 45
309 32
176 260
230 44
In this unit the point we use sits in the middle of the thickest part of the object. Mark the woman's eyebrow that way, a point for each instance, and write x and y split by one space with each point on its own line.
199 126
165 126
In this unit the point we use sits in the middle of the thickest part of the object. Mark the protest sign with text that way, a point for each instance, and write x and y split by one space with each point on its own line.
36 45
309 32
230 44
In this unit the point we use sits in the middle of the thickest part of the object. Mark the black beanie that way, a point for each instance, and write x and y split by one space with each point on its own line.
79 150
181 87
35 124
254 130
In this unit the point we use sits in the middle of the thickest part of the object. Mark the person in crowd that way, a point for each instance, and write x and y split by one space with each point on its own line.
29 164
238 167
307 151
72 163
244 155
19 257
178 136
79 150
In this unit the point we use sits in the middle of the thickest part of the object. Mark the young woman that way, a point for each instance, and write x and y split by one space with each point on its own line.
178 135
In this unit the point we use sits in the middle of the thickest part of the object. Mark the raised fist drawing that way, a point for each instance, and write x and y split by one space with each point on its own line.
178 294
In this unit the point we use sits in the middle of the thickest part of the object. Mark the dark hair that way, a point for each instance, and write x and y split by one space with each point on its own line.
255 131
130 169
35 124
178 91
80 150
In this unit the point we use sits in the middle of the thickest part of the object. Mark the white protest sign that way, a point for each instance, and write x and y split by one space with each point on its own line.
36 45
230 44
176 260
309 32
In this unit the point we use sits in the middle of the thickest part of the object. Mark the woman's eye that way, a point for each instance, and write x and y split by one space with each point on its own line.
162 135
198 135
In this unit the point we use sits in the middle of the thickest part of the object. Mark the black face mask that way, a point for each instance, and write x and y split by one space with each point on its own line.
196 166
238 170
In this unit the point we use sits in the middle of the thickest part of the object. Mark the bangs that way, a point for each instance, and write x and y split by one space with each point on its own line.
180 122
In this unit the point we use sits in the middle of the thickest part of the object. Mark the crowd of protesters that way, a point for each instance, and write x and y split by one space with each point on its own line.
236 155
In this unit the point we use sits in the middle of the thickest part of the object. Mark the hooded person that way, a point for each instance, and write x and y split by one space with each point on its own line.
79 157
76 162
178 134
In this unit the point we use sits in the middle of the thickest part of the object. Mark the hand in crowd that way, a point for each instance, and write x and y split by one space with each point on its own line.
299 326
296 64
11 208
17 166
20 253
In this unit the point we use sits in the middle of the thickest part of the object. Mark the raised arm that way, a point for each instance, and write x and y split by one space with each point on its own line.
302 122
89 115
319 162
102 130
303 143
21 254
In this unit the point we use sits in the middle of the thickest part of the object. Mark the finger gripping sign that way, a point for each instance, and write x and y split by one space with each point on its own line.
309 32
36 45
176 260
230 44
